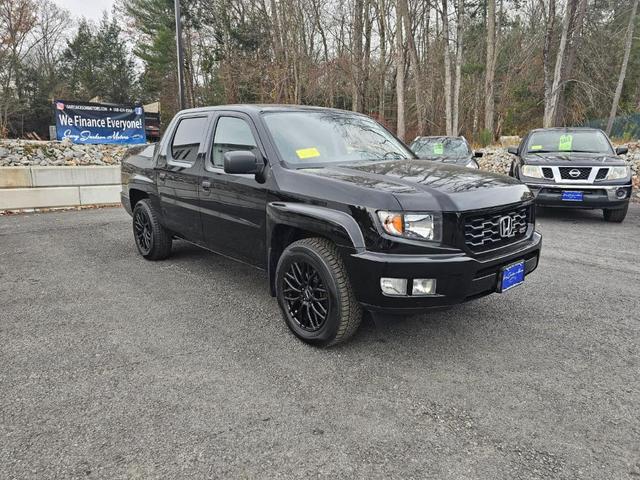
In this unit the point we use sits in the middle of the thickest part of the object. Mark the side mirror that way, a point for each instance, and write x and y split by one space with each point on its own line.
622 150
513 150
478 154
241 161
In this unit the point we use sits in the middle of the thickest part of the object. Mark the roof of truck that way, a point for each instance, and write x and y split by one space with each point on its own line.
565 129
258 108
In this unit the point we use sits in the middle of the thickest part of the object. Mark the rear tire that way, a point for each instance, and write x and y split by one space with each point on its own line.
152 239
616 215
314 293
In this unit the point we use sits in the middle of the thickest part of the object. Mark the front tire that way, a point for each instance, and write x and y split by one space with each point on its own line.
616 215
152 239
314 293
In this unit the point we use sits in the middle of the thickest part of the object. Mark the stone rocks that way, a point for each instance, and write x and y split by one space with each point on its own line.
29 153
495 159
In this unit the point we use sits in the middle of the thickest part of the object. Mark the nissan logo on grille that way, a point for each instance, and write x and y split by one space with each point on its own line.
506 226
574 173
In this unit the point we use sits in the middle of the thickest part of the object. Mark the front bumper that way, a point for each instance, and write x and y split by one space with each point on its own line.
459 277
594 196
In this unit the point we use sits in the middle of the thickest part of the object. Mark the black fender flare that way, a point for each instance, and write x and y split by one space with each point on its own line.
139 182
337 226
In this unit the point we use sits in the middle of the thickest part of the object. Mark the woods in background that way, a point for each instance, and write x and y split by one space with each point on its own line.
481 68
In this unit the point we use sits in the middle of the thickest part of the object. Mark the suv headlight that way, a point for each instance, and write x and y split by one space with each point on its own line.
472 164
417 226
532 171
618 173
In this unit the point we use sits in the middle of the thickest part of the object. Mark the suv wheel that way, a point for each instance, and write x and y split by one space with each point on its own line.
152 240
314 293
615 214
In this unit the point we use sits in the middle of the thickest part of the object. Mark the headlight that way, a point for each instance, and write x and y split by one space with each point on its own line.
532 171
418 226
617 173
472 164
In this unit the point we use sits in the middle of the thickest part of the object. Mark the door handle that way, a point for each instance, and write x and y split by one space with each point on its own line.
162 175
206 185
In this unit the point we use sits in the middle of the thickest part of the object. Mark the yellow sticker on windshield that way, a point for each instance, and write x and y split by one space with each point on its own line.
307 153
536 147
565 143
438 148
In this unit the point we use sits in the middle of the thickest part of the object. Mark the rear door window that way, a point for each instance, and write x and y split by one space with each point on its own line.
187 139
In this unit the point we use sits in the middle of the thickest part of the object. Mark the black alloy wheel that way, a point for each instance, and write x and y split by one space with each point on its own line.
314 293
306 296
152 239
142 230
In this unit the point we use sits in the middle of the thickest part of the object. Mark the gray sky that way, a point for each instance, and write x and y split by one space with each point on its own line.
92 9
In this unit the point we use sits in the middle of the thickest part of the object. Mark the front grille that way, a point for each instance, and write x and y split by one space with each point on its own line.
602 174
547 172
483 232
582 173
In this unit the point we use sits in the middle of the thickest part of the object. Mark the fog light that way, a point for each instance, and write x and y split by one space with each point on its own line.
393 286
424 286
621 193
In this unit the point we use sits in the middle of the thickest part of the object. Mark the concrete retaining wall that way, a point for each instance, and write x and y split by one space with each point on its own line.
46 187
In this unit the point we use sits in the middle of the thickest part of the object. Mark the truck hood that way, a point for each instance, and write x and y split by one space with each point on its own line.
571 158
422 185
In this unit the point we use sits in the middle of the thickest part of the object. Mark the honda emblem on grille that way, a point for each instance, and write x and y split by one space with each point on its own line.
574 173
506 226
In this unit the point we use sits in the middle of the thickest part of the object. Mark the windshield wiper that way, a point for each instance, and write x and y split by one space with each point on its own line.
563 151
584 151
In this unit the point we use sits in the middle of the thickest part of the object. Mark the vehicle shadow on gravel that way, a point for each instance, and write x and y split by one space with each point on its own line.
576 214
247 282
415 329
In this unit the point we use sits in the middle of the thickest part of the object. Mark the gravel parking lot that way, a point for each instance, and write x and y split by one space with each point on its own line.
115 367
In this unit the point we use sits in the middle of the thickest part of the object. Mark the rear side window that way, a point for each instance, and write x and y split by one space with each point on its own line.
187 139
231 134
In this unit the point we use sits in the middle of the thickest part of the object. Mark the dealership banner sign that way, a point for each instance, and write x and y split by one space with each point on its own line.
84 122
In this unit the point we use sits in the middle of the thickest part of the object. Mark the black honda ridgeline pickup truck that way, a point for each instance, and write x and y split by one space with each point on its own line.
340 213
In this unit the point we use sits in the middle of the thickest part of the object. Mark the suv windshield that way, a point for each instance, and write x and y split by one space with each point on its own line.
441 147
311 139
590 141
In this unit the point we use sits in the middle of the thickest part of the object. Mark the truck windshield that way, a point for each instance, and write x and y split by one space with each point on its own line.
449 147
312 139
586 141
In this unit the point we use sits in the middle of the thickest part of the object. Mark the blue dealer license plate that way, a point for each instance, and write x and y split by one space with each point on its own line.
512 276
571 196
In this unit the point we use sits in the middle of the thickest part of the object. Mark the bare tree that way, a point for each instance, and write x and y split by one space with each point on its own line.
447 68
382 31
489 100
571 23
575 34
356 54
400 125
49 35
455 121
623 68
17 21
550 18
550 108
415 63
